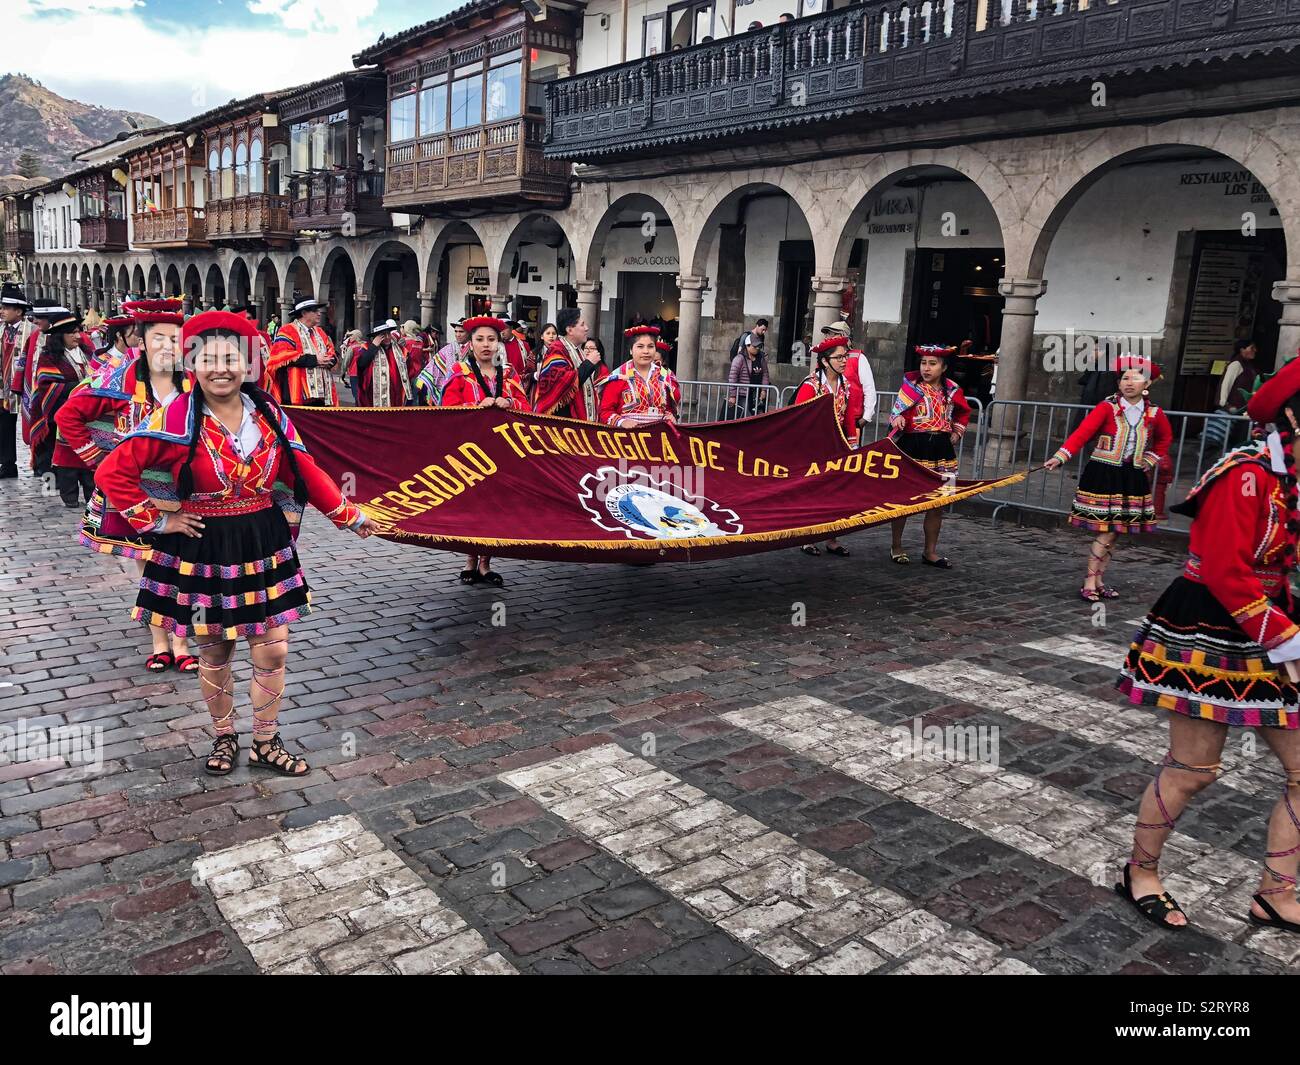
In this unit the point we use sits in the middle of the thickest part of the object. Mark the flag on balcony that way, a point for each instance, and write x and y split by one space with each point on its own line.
534 486
149 205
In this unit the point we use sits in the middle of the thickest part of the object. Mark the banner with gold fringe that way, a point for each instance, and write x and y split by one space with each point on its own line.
536 486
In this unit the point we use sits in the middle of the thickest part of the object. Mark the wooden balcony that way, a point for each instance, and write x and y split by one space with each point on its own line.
252 219
103 234
480 167
19 241
172 227
327 199
885 63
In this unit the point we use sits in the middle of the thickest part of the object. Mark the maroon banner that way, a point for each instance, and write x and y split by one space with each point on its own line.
535 486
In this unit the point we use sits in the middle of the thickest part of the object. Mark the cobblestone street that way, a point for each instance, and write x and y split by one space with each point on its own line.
616 769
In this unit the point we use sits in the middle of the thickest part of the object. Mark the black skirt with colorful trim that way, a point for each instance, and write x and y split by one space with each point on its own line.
1191 658
934 451
1114 499
240 578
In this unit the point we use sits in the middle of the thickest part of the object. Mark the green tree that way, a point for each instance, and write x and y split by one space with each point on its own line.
28 165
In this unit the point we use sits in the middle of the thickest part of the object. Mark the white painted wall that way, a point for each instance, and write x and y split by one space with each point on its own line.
625 252
462 256
52 205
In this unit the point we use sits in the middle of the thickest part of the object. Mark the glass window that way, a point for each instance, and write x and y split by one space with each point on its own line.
433 105
467 97
168 192
544 66
319 140
256 183
401 121
653 30
503 88
336 150
300 153
241 170
116 201
227 174
213 178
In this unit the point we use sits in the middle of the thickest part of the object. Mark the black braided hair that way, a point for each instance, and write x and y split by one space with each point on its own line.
478 374
185 478
144 373
265 407
1291 488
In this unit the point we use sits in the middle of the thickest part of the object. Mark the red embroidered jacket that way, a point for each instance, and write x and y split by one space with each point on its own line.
288 364
627 395
1106 420
1237 542
101 410
57 374
153 454
13 349
848 400
463 389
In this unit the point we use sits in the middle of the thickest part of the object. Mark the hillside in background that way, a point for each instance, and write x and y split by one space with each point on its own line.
53 129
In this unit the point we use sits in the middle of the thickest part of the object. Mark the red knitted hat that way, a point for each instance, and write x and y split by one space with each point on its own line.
1266 404
663 346
1143 365
226 321
641 330
939 351
483 321
830 343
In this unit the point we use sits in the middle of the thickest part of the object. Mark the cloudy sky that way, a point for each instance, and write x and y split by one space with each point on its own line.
175 58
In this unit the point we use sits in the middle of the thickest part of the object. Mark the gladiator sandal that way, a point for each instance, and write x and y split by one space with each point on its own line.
1095 595
1285 882
267 752
219 695
1157 908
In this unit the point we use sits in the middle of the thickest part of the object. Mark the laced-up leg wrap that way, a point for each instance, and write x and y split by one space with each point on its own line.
217 684
1285 881
1151 859
266 690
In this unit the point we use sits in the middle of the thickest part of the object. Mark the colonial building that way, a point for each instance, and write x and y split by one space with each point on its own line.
1026 177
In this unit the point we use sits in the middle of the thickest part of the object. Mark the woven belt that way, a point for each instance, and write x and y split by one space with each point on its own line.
1273 582
226 508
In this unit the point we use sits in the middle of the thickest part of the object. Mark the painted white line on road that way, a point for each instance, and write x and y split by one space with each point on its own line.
1082 648
1073 832
790 904
331 898
1135 730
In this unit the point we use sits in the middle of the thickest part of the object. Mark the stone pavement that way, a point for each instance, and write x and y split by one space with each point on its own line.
617 769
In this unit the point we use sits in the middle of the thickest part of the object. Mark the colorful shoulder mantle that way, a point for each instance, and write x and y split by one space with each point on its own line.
1253 454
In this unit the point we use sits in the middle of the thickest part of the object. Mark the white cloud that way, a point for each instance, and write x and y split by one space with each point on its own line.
173 69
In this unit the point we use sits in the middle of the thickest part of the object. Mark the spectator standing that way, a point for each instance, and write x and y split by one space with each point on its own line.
749 367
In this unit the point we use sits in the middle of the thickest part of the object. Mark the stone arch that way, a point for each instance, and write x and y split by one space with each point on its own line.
214 287
724 193
172 281
535 227
266 288
123 279
437 270
155 282
239 285
298 282
193 285
1076 172
337 287
645 202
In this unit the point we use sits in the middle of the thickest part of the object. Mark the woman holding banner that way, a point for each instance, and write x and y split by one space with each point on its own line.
201 475
928 418
641 391
1114 494
484 379
830 379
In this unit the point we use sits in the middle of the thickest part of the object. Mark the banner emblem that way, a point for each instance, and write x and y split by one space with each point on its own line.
636 505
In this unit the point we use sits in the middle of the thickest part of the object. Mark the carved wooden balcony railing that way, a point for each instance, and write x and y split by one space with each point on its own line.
257 216
883 56
171 227
19 241
103 234
501 159
326 199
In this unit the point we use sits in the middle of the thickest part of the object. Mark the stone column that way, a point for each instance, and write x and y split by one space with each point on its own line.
286 309
827 306
426 308
1014 354
363 313
500 303
1287 293
187 305
688 327
589 307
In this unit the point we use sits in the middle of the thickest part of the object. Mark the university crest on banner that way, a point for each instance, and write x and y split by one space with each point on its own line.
634 503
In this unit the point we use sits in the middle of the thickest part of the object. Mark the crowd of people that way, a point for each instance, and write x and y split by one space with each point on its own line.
172 433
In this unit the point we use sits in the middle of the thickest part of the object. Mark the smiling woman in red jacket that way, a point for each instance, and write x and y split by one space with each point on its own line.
1114 494
1221 648
202 475
830 379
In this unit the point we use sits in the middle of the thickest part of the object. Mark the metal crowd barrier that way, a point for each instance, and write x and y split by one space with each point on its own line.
1019 435
716 401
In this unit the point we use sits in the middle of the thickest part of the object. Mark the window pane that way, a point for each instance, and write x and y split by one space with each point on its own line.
433 105
336 152
255 169
401 123
298 145
503 91
467 102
